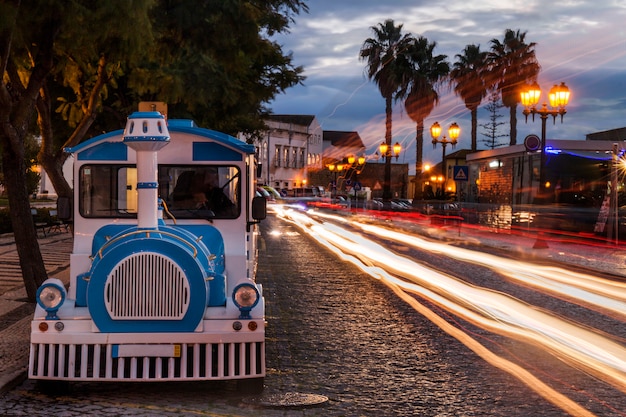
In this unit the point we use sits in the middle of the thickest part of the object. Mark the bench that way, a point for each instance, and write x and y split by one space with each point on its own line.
56 224
39 225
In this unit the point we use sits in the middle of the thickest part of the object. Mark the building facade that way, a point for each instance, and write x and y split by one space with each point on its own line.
291 147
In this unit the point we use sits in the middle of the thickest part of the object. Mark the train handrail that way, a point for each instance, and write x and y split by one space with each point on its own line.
147 232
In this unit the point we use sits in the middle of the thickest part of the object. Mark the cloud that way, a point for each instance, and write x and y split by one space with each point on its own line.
579 42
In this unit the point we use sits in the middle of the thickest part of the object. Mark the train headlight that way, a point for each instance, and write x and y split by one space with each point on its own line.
51 296
245 297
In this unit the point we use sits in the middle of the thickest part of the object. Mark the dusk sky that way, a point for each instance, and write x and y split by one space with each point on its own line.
581 43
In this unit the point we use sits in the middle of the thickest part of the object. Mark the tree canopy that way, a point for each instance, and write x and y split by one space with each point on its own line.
72 68
214 60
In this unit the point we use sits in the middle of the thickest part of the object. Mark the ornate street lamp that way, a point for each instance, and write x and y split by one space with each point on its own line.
355 167
453 132
388 152
558 96
335 169
359 160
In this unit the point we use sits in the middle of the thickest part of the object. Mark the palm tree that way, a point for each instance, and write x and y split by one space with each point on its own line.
428 71
468 77
512 63
387 67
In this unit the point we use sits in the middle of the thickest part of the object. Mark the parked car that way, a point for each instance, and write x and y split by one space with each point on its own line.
262 192
272 191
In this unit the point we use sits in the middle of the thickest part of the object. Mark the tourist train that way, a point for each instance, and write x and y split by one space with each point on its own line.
162 280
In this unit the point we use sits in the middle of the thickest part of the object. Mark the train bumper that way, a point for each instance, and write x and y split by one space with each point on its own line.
74 355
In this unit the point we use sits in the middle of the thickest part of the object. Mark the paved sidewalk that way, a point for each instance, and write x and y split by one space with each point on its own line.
15 311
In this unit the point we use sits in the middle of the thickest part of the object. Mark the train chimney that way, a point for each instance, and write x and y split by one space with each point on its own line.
146 133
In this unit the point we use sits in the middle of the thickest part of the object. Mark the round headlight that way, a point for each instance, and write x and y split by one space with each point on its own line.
50 296
245 297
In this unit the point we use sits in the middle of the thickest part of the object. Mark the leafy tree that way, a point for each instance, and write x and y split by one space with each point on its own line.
27 37
492 135
427 72
214 61
31 148
387 65
512 64
468 78
88 64
210 59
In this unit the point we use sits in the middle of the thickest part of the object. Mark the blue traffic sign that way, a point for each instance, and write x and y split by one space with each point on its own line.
461 173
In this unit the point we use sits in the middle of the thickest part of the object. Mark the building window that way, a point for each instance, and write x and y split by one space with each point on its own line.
277 156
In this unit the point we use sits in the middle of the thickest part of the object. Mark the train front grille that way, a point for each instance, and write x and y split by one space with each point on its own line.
147 286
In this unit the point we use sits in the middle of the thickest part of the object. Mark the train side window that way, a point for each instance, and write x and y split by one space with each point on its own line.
108 191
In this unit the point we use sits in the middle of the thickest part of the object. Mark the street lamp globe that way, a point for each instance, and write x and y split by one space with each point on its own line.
397 148
454 131
383 149
559 96
435 130
530 95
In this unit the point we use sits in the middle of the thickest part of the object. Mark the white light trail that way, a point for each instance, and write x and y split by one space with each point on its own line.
586 289
577 345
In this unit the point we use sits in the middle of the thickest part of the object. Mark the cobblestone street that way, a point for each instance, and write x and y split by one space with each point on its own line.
333 331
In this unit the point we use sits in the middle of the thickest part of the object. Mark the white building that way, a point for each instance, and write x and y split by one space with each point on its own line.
292 146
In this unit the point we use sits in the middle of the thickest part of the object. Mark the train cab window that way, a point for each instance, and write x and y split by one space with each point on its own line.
190 191
200 191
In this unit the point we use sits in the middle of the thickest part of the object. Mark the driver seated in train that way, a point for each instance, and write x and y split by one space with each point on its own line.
210 196
200 190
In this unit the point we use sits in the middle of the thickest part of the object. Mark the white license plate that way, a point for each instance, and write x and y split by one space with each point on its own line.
129 351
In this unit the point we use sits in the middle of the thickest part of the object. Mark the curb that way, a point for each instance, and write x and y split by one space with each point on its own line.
15 354
12 380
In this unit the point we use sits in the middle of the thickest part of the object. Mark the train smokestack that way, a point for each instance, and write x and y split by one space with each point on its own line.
146 133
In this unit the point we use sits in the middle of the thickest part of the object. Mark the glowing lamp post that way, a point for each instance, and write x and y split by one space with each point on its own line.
453 132
335 168
356 164
558 96
388 152
352 168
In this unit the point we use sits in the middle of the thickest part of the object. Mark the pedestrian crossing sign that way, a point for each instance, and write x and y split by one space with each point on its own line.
461 173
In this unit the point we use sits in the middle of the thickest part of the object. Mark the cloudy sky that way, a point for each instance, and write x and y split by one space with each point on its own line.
579 42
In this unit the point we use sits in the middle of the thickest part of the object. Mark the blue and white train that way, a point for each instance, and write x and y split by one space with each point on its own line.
162 274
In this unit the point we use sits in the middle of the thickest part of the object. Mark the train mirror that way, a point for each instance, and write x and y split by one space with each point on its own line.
259 208
64 208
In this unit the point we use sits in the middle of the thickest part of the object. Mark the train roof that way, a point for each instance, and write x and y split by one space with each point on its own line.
91 147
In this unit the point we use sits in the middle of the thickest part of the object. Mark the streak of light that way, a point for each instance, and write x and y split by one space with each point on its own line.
587 289
488 309
499 362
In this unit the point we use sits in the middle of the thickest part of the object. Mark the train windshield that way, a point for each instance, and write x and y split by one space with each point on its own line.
189 191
